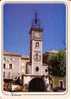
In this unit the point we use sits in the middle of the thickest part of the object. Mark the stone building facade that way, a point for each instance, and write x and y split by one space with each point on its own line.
14 65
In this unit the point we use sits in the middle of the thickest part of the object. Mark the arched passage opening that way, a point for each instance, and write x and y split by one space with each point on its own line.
37 85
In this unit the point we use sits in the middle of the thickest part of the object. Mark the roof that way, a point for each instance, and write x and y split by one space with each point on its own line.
25 57
14 54
11 54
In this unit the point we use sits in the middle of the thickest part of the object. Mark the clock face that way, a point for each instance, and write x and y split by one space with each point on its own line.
36 35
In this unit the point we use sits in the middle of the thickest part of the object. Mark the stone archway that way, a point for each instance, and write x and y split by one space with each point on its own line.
37 85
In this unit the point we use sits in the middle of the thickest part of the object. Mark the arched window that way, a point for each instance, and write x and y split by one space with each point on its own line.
4 66
37 57
10 66
37 69
37 44
46 70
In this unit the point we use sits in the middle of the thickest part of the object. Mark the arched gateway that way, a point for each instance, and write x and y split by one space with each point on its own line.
37 85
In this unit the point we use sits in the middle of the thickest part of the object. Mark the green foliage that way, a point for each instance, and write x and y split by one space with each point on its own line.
57 63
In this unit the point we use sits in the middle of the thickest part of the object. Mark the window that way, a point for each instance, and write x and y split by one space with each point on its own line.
37 57
4 58
10 66
61 84
46 70
37 44
3 75
4 66
37 69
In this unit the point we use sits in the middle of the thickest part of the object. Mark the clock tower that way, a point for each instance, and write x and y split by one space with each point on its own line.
36 47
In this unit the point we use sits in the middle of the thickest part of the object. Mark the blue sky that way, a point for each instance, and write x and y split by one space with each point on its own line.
18 20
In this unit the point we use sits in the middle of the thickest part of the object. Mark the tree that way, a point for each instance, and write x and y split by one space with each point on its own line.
57 64
62 62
